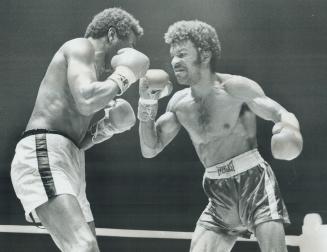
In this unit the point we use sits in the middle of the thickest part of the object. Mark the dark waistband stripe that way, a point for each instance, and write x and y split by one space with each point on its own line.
44 165
46 131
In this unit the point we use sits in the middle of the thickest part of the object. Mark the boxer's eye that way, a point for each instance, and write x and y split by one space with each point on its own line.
153 91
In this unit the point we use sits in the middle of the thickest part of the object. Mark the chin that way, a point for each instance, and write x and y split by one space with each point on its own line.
183 81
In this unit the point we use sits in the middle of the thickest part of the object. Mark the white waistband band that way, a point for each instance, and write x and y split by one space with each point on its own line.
234 165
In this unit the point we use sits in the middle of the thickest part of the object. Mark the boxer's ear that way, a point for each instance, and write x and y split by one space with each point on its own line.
205 56
112 34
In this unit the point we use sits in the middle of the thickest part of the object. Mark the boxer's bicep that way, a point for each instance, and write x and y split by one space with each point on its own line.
80 74
167 127
154 136
251 93
266 108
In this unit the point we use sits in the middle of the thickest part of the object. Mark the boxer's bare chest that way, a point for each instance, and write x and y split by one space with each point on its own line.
210 118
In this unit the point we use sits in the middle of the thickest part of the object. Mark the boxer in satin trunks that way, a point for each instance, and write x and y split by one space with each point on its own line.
242 192
219 111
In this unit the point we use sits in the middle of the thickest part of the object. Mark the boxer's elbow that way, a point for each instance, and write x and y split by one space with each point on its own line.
87 102
148 152
87 105
85 108
82 101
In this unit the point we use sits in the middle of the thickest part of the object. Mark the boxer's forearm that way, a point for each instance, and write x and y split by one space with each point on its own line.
149 139
96 96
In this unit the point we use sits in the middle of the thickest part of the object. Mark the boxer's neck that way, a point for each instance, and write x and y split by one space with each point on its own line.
204 86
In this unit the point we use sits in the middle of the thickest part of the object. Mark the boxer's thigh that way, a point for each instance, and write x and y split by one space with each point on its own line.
271 236
63 218
204 240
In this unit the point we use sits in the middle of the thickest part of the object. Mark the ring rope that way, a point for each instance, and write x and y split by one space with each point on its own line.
291 240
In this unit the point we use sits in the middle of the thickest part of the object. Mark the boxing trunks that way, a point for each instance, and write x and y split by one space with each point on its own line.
47 163
243 192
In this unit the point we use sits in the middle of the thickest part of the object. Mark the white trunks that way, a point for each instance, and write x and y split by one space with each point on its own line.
47 163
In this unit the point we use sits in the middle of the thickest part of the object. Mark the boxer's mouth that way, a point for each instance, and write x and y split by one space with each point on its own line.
179 70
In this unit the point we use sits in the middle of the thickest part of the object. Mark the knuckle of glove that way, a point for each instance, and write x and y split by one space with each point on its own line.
286 145
133 59
157 77
155 83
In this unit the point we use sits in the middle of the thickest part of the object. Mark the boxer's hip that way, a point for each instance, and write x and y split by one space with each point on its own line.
46 153
46 164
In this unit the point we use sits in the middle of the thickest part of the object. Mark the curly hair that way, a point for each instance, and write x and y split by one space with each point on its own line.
118 18
203 36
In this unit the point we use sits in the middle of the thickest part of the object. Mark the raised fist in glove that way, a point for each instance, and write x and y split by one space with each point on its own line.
130 65
155 85
286 142
119 117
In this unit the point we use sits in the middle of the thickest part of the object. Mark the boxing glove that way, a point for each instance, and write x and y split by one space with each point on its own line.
155 85
119 117
286 142
130 65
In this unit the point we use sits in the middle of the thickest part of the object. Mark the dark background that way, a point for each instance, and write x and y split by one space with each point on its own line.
280 44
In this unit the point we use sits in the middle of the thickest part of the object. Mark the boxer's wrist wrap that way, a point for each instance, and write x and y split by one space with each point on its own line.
147 110
123 77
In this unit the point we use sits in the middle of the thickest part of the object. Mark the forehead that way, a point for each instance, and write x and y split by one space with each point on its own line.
185 45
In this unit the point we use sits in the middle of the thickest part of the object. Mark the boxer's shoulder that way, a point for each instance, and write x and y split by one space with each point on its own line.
79 47
178 99
242 87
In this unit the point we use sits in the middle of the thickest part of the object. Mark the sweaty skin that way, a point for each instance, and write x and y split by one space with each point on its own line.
218 110
220 126
74 74
219 113
55 107
215 125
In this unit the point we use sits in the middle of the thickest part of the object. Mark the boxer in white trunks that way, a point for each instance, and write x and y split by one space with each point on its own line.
83 77
219 113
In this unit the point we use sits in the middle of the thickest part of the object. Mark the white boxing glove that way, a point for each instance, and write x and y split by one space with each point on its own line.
153 86
130 65
286 142
119 117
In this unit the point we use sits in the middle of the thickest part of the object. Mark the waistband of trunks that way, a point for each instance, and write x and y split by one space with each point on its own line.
46 131
234 166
